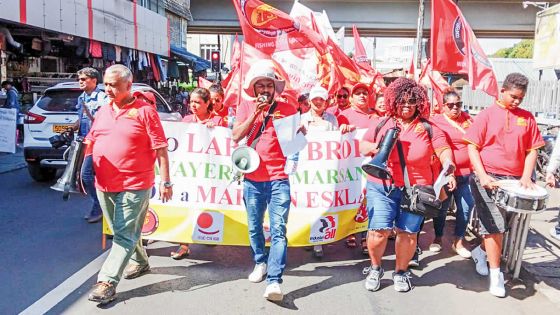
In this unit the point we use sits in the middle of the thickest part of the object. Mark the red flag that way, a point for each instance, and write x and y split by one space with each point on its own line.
203 83
269 29
481 74
360 55
411 69
449 47
437 82
235 60
456 49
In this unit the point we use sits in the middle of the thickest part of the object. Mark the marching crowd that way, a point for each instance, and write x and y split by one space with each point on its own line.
126 138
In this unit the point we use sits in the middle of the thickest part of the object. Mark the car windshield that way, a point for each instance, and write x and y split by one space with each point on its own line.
59 101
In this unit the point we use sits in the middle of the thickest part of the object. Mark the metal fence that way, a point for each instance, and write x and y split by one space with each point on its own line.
542 99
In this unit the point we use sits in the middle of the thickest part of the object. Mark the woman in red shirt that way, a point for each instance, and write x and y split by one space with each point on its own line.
406 104
202 113
202 109
454 122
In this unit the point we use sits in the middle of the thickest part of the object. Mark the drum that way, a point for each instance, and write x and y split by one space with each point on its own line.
510 196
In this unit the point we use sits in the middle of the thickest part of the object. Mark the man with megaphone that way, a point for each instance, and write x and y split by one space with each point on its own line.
265 184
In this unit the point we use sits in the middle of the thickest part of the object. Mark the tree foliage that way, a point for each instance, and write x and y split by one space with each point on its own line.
523 49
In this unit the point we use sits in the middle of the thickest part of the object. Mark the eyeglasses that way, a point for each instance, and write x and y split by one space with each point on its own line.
456 104
83 79
342 96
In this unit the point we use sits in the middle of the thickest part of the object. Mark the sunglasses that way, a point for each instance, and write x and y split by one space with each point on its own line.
342 96
83 79
456 104
410 103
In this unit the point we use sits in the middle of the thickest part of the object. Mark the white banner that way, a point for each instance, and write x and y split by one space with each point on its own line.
8 130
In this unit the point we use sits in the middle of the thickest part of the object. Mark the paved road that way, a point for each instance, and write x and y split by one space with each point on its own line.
47 243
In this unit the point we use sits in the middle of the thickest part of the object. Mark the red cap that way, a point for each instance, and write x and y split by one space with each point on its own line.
360 86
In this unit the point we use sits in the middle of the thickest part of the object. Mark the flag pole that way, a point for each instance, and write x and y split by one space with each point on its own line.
419 31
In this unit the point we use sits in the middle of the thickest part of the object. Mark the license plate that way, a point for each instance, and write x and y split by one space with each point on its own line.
60 128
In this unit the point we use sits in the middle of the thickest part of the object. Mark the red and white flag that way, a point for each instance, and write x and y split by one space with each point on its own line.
456 49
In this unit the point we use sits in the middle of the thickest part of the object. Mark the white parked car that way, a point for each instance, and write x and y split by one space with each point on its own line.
53 113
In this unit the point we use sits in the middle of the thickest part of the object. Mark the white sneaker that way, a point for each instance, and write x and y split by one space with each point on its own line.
258 273
479 257
497 285
554 234
273 292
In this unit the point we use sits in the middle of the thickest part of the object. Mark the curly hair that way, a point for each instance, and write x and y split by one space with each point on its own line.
403 89
516 81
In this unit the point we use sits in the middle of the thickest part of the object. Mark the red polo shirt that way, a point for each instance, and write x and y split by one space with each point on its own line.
454 131
417 149
335 110
223 112
272 160
217 120
124 146
504 137
354 116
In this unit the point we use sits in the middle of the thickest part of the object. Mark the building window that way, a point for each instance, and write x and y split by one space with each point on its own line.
206 50
154 5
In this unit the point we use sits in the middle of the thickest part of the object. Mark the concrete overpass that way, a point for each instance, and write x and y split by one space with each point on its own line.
490 18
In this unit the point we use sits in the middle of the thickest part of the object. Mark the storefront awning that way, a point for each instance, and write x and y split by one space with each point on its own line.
199 64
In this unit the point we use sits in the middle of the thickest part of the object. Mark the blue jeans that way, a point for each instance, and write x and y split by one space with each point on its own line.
88 178
465 203
274 195
384 211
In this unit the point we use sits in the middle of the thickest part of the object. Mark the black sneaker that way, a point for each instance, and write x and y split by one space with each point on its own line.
415 261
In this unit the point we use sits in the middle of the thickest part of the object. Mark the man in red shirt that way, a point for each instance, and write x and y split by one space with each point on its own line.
503 143
268 186
125 140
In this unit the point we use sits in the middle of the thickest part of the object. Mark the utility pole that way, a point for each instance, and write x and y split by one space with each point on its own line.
419 32
373 62
219 74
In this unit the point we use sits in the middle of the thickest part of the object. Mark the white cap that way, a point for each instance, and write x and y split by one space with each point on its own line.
262 69
318 91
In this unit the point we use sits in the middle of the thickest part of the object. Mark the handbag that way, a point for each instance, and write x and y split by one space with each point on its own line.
418 199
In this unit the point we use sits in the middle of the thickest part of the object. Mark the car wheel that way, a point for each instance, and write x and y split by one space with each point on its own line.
41 174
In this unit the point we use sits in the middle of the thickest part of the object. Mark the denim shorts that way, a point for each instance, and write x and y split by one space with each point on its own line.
384 210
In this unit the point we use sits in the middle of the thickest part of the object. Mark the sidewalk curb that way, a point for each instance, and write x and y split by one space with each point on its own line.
15 167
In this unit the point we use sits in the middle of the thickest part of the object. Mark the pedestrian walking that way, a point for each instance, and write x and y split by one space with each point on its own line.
89 102
268 186
125 140
503 143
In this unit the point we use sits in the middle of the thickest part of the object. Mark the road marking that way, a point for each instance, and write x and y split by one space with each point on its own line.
64 289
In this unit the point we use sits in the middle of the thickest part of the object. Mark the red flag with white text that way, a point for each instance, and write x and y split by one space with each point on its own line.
456 49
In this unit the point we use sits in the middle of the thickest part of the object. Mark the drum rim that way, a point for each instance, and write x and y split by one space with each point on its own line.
521 194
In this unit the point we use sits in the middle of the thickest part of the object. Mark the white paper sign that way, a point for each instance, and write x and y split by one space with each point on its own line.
8 130
291 141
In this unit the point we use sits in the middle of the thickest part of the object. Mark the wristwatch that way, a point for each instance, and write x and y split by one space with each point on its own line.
167 184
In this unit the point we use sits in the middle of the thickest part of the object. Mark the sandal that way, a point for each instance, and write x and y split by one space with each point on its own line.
351 241
182 252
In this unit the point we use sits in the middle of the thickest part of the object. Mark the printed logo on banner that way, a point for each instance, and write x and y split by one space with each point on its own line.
324 229
209 227
151 222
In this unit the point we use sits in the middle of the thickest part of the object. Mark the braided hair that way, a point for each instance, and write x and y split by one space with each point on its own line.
403 89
